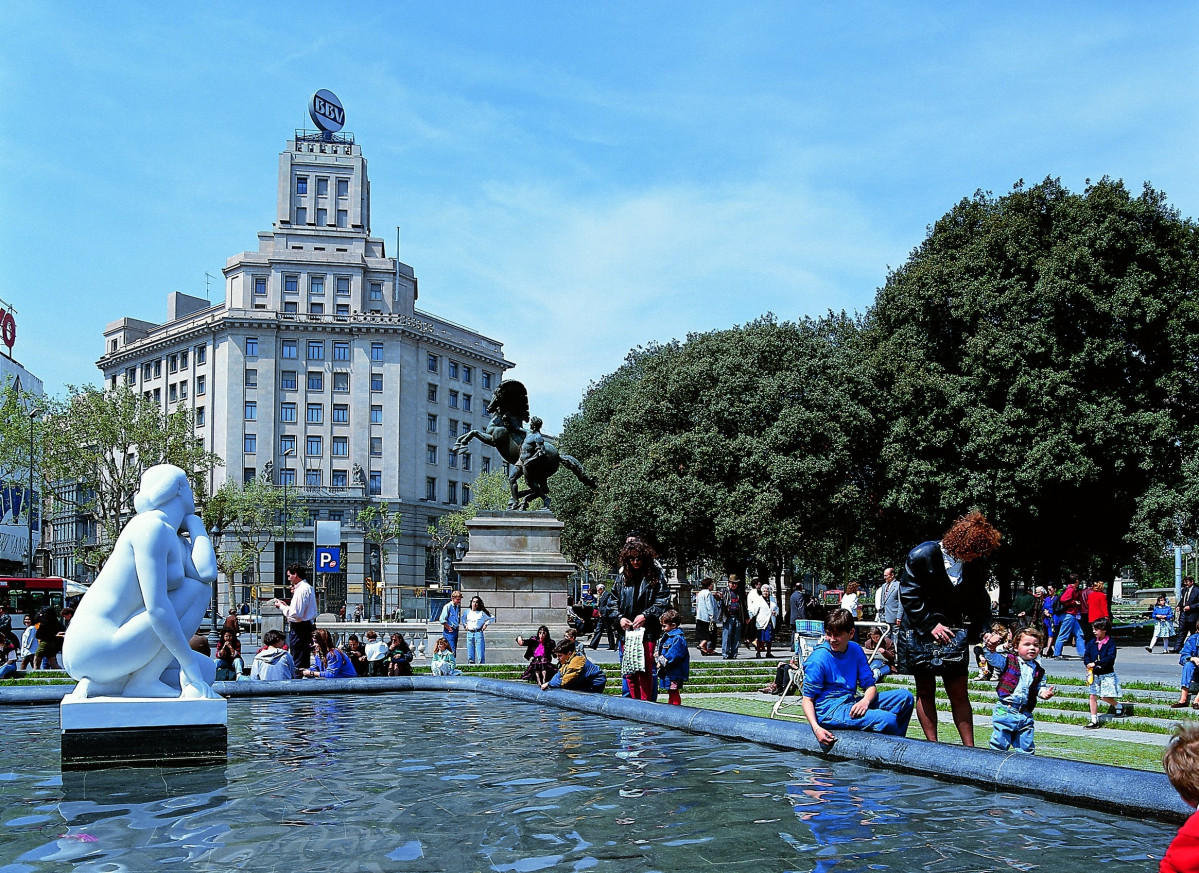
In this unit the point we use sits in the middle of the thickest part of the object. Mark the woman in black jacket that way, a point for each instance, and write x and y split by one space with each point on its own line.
944 584
636 602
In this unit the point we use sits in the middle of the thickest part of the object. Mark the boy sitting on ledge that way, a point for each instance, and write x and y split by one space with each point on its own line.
832 675
575 671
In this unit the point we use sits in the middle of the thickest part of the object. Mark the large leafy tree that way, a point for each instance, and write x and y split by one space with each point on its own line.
1037 357
737 445
103 441
250 519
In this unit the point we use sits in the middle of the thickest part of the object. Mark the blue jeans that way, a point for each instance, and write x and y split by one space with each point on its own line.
1069 626
451 637
475 647
8 670
732 638
888 714
1011 729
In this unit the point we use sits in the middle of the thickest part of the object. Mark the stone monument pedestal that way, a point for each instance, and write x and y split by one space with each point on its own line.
103 732
515 564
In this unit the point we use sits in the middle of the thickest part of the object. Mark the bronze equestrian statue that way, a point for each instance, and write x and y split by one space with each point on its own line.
528 453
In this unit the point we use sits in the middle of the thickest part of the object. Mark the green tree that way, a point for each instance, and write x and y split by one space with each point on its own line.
739 445
103 441
1036 357
250 517
489 493
381 526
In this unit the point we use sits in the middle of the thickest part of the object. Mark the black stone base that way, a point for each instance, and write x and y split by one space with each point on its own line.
184 746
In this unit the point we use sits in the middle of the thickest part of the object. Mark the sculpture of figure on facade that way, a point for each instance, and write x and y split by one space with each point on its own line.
268 472
359 476
130 634
530 455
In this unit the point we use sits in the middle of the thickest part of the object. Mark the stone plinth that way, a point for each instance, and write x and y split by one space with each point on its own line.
515 564
106 732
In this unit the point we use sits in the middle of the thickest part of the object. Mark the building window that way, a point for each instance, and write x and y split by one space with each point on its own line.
251 377
157 369
451 492
376 290
343 187
248 474
339 481
434 364
251 443
301 184
312 478
466 403
131 376
301 215
430 454
452 460
432 424
314 446
343 218
287 477
376 415
343 286
291 284
322 217
183 360
183 390
147 370
287 444
376 483
341 381
199 416
322 186
466 462
316 308
259 286
377 446
172 393
316 350
341 413
316 380
340 447
314 413
453 427
453 369
466 374
289 349
465 428
452 400
376 381
376 351
201 354
287 412
342 309
287 380
201 384
290 307
158 395
430 488
432 393
486 381
251 410
316 286
341 351
465 494
172 363
486 465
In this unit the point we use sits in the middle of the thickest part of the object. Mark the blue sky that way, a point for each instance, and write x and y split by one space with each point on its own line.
572 179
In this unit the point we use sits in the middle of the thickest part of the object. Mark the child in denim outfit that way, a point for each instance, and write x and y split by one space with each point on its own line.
1019 688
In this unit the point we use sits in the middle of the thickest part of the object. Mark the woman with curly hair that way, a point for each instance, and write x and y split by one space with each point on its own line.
636 602
944 584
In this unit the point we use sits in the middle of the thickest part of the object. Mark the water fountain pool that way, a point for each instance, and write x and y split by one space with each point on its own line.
463 782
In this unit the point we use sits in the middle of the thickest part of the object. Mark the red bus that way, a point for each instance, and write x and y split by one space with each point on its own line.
25 596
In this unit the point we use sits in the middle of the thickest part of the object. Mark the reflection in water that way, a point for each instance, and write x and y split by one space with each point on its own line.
407 782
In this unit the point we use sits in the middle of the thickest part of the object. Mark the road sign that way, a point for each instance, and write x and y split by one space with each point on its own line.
328 559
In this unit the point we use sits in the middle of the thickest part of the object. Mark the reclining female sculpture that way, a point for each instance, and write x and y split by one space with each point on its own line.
130 635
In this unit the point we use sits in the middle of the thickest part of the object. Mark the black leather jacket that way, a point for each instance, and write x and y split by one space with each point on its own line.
930 599
649 597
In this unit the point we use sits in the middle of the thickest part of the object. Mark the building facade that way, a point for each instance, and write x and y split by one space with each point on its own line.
17 534
319 373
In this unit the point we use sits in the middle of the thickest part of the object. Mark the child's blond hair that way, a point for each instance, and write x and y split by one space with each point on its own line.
1181 762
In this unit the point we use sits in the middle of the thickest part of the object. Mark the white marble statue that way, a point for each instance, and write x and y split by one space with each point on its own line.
130 635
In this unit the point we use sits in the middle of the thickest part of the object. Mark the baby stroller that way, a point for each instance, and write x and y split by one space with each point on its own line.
808 635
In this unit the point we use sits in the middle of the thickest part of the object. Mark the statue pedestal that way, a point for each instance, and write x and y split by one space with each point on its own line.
104 732
515 564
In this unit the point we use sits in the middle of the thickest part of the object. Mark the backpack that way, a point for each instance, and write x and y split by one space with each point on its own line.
1057 607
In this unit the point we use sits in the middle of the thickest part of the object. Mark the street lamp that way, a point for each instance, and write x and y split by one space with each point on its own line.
214 632
33 413
286 513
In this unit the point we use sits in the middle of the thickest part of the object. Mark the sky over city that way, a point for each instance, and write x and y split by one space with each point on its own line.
574 180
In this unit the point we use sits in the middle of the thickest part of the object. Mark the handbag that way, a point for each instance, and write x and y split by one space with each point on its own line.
931 654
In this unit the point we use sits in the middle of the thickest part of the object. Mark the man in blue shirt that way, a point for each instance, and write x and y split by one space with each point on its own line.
832 675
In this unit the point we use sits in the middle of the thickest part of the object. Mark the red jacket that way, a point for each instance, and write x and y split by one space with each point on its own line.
1183 854
1097 606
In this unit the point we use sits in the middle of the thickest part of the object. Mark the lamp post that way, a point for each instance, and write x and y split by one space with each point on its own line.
33 413
286 508
214 632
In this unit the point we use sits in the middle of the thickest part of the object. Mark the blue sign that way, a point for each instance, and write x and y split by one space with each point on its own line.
328 560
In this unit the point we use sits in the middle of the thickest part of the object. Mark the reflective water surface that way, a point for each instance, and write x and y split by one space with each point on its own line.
462 783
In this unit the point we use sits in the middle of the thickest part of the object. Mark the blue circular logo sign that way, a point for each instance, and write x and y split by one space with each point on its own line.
326 111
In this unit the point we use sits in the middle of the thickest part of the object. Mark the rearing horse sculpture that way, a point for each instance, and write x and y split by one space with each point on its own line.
528 453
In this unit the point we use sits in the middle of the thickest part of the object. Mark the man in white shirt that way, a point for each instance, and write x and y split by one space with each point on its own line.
376 654
300 614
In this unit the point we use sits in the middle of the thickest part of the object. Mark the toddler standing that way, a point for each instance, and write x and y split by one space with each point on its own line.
1019 689
674 660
